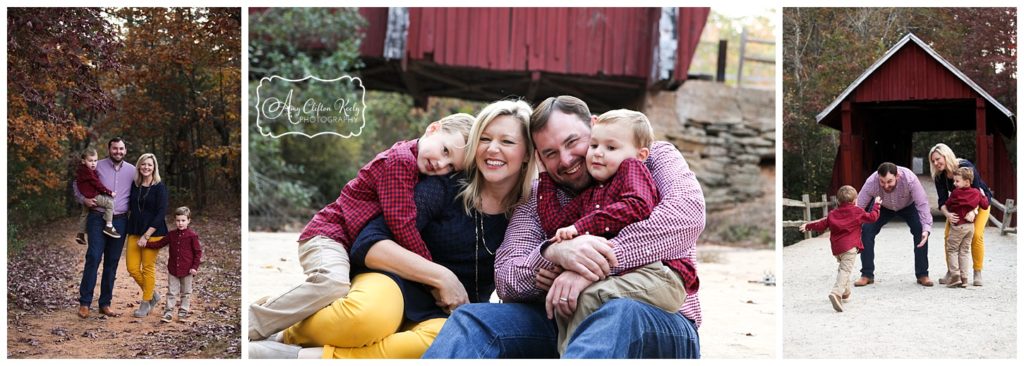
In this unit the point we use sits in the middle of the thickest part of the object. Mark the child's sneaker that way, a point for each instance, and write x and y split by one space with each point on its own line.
182 314
954 281
111 232
80 238
836 302
167 317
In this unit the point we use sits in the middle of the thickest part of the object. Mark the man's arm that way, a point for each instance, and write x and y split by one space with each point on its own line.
672 230
518 258
921 201
868 191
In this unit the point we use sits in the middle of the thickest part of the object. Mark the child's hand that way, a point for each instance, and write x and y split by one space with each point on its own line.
803 228
142 242
565 233
113 194
878 200
192 271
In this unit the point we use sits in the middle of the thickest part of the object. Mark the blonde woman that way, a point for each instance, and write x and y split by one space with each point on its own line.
399 301
943 163
147 207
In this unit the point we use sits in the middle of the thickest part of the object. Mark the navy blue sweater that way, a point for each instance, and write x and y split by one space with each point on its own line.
148 207
944 185
451 237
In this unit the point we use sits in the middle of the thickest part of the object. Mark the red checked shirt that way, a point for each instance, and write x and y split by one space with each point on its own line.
670 232
845 223
606 208
185 253
964 200
385 185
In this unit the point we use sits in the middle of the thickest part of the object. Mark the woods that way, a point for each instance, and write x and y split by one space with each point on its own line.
167 81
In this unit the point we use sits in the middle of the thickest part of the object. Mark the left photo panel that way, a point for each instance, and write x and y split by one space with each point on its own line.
124 182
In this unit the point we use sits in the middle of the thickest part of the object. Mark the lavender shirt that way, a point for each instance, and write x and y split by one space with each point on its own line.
908 191
119 180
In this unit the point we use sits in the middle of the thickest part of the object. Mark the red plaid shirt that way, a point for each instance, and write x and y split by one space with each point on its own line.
606 208
385 185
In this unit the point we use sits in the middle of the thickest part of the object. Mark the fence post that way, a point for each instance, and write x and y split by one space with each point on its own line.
807 212
824 205
1007 216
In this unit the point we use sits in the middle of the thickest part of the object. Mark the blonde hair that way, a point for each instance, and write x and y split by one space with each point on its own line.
459 123
156 169
643 134
470 194
183 211
88 152
947 154
966 173
846 194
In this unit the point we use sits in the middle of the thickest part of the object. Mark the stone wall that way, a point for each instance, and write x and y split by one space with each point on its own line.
725 133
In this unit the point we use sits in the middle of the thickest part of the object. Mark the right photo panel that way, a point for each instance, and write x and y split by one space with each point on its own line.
899 183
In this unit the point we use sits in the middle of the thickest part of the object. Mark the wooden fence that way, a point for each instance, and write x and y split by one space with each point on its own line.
1008 209
807 205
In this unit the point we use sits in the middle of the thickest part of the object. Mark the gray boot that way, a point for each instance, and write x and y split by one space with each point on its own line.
144 308
273 350
155 300
977 278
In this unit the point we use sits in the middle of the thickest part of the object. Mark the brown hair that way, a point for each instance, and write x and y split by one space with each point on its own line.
88 152
643 134
965 173
563 103
887 168
846 194
183 211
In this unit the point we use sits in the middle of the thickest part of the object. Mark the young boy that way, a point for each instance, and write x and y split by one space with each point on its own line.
624 193
382 187
845 223
182 262
89 186
964 199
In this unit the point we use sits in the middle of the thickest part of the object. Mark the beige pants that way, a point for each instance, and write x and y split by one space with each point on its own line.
104 201
655 284
178 286
846 261
326 265
958 245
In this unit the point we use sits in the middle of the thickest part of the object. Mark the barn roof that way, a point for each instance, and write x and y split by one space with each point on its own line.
910 37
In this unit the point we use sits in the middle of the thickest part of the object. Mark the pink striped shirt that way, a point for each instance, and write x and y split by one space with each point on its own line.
670 232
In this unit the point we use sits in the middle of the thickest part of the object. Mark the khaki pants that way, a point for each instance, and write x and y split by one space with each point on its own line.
104 201
846 261
178 286
326 265
958 244
655 284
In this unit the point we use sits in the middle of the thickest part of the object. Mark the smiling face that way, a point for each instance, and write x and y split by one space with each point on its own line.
960 182
439 152
146 167
562 149
501 152
610 145
181 222
887 182
116 151
938 161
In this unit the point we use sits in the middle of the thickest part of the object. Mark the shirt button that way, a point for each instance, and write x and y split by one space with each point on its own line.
606 229
597 206
600 185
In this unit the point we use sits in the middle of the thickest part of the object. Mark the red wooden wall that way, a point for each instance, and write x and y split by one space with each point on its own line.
911 74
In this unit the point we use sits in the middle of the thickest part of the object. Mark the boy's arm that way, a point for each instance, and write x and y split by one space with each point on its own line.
634 202
430 197
818 225
197 252
159 243
519 257
398 205
873 215
982 201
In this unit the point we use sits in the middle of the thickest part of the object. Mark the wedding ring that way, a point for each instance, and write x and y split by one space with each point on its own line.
562 299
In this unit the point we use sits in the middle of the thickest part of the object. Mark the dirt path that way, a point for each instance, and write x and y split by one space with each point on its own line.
895 317
55 331
739 317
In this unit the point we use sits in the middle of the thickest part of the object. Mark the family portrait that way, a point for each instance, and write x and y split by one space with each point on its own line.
124 182
915 183
557 206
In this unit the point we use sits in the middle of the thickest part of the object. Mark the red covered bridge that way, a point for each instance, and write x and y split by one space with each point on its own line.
910 89
609 57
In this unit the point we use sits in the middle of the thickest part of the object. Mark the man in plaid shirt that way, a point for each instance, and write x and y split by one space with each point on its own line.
384 187
525 268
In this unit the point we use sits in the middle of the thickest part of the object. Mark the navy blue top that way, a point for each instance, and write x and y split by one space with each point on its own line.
148 208
944 185
451 237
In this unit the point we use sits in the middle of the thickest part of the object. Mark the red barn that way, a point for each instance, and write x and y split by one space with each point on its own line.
608 57
911 89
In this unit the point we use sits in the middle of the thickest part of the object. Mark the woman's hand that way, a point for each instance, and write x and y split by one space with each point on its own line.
563 294
546 276
971 215
450 293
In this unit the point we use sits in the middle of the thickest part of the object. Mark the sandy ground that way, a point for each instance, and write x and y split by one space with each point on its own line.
739 317
895 317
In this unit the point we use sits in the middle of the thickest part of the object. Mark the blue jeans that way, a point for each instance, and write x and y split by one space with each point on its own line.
101 249
870 230
622 328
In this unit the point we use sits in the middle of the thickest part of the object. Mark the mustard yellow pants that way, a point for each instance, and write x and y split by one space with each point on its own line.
978 241
141 263
367 323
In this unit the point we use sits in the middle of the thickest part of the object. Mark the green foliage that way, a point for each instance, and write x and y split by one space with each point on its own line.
14 245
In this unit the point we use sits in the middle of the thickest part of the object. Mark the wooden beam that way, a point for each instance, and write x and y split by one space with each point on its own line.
531 91
981 134
846 147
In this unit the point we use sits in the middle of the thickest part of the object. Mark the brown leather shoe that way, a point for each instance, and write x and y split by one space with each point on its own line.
863 281
925 281
105 310
83 311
